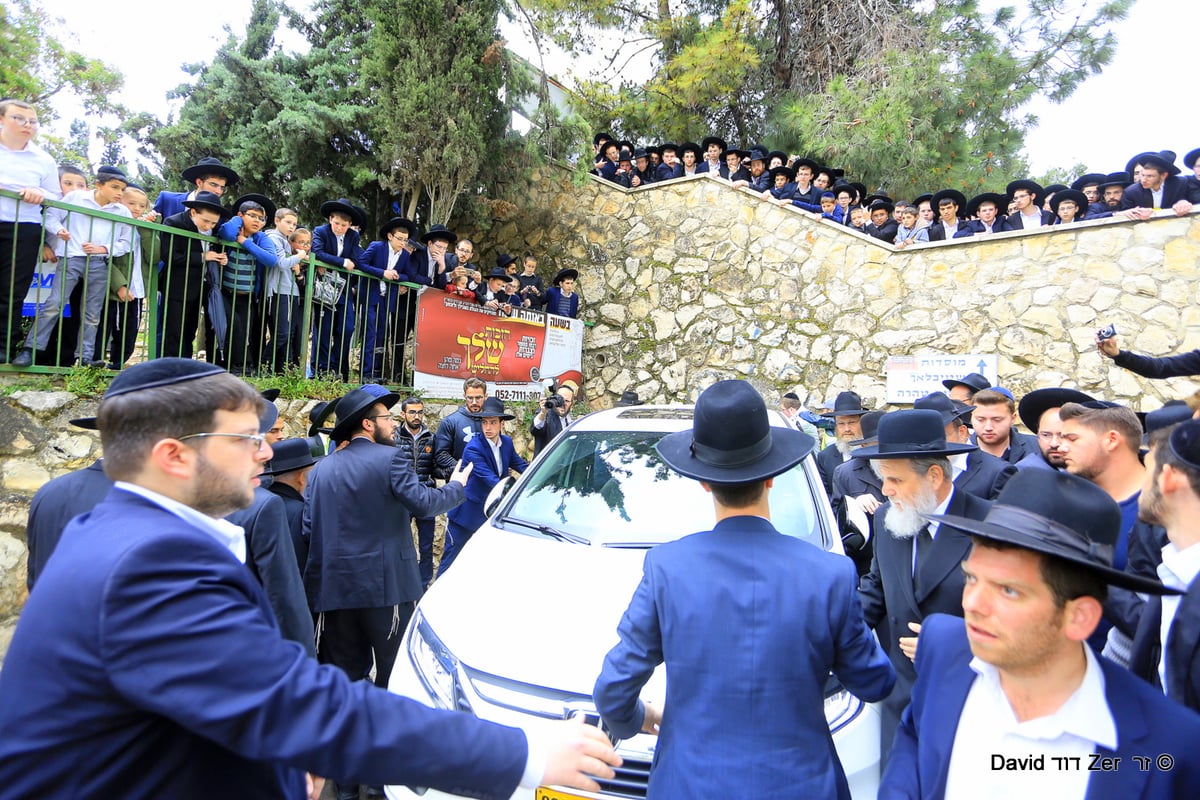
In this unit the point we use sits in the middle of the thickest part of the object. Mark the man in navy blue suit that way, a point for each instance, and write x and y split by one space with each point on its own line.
336 244
731 613
147 662
1012 702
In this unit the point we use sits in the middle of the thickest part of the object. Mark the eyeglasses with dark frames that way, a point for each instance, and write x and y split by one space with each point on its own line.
257 438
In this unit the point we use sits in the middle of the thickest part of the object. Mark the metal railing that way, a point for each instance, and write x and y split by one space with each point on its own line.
343 323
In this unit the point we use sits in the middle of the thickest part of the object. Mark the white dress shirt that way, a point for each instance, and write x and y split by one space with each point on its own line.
1178 570
229 535
21 169
987 728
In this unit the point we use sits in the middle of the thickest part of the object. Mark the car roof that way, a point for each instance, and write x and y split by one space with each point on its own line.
666 418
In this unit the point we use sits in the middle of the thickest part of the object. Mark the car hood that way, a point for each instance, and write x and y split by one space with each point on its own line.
533 610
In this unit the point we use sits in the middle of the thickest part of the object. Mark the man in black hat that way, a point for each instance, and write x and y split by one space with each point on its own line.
1015 693
207 175
1159 187
1166 646
147 621
670 166
712 147
492 295
847 415
961 390
1192 162
984 210
882 226
724 610
388 260
183 274
290 464
432 267
982 474
487 460
758 179
1028 213
732 170
1038 411
915 568
362 573
1111 191
335 244
854 482
644 171
948 203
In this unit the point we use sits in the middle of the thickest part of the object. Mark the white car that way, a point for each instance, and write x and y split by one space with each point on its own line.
517 630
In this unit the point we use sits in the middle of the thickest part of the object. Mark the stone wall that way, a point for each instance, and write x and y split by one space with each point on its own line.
691 281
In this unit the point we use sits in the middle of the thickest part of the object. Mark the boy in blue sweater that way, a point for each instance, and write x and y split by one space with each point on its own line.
242 279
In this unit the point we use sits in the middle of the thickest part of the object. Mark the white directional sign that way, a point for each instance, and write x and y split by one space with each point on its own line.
912 377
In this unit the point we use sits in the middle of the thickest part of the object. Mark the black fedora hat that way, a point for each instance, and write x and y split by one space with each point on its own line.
1163 160
318 415
941 403
352 408
289 455
625 144
882 202
625 155
731 439
871 198
915 433
207 201
1080 199
800 161
563 274
344 206
782 156
601 136
1090 179
921 198
1053 189
787 172
870 427
999 200
740 153
1189 160
493 407
758 153
497 272
398 222
630 398
846 404
1060 515
641 152
209 166
861 188
953 195
691 147
1172 413
665 146
717 140
503 260
974 381
1121 179
261 199
439 231
1033 187
1039 401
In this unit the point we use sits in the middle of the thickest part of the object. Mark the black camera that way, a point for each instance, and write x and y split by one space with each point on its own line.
1107 332
553 401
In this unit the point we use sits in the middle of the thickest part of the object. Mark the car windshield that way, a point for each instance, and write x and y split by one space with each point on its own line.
611 488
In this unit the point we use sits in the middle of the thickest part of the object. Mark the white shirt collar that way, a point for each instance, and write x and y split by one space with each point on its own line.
1179 567
1085 713
229 535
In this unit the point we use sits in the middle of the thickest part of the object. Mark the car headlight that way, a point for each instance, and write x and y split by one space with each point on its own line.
436 666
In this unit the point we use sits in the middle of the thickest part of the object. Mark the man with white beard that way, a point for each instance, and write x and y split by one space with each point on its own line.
915 570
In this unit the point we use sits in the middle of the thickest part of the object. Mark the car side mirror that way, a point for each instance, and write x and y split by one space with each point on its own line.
497 494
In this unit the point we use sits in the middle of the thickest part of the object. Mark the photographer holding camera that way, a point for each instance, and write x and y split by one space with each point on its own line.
1178 366
552 417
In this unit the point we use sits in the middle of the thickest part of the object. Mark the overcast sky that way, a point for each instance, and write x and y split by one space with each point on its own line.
1144 99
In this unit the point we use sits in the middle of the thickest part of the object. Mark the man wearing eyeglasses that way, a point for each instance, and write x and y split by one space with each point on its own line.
27 170
206 175
148 663
242 279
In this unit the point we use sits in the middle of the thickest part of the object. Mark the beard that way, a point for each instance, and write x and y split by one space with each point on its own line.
1150 506
905 521
217 493
379 437
843 446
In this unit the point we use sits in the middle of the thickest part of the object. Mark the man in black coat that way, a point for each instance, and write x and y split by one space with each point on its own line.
854 482
847 412
1160 187
416 442
1171 662
993 425
1029 214
882 226
1177 366
948 203
56 504
289 467
915 571
184 263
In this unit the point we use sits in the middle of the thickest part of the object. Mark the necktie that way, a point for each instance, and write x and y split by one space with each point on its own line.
924 545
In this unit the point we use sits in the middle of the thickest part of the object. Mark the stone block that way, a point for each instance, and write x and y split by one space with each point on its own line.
23 476
43 403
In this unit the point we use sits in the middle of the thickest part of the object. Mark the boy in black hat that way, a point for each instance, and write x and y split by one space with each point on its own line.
387 260
561 298
532 288
732 169
607 166
783 186
1068 205
670 166
712 147
644 169
207 175
494 296
984 211
183 272
948 202
723 609
336 244
882 226
1015 683
689 159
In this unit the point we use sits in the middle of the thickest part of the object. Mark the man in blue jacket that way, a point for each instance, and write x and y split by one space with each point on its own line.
147 662
1012 702
731 613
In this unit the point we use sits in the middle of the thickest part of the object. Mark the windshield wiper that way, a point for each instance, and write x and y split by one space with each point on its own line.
553 533
631 545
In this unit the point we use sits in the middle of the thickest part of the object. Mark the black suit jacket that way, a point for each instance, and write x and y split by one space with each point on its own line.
56 504
828 460
544 435
1174 190
1015 222
293 508
851 479
1178 366
885 232
937 231
999 225
889 595
985 475
1183 648
183 261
